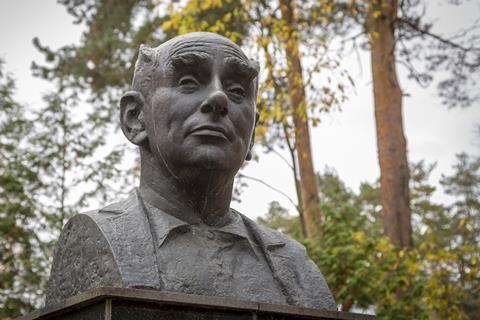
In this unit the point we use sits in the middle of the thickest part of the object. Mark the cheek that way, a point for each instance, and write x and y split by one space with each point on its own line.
165 108
245 121
170 111
157 114
160 101
179 111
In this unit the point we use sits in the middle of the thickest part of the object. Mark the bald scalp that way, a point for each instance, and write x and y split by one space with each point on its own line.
153 61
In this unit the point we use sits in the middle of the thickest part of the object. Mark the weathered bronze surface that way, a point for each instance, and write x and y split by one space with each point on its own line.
192 114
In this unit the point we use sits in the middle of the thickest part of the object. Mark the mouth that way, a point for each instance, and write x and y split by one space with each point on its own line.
209 131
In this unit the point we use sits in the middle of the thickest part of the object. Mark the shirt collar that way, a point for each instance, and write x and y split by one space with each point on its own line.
236 227
165 224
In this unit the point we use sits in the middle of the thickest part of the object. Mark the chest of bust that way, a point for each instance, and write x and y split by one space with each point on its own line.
208 261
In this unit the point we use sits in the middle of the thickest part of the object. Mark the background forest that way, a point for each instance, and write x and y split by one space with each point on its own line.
392 246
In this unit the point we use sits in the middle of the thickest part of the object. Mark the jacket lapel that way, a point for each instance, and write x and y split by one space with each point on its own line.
281 263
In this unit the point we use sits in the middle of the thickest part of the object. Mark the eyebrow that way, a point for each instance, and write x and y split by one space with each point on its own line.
190 59
243 68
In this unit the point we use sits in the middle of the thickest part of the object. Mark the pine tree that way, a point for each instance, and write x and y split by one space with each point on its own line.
23 260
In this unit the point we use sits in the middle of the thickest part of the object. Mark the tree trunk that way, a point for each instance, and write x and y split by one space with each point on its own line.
308 184
290 146
392 152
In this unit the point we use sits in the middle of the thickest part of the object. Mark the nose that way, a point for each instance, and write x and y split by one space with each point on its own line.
216 103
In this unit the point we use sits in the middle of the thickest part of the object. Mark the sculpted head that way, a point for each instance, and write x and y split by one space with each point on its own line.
193 103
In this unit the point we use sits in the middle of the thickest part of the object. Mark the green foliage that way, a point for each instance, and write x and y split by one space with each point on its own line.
105 58
279 219
22 263
452 244
228 18
74 157
437 278
360 264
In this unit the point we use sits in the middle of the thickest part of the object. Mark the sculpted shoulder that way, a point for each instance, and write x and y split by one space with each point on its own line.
106 247
83 259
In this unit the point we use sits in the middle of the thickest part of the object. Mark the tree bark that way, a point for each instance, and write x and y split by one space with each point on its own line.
308 184
290 146
391 142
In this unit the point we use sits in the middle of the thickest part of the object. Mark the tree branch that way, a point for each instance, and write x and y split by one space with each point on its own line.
435 36
241 175
270 149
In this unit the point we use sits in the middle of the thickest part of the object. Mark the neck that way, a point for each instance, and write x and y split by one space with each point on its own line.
192 194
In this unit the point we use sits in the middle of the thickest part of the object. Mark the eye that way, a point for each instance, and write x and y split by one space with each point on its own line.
237 90
188 83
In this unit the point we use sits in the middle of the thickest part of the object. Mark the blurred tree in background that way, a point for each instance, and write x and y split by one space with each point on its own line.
22 256
399 33
55 158
53 162
364 269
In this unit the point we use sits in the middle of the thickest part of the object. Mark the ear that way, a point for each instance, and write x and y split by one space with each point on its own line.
131 117
252 141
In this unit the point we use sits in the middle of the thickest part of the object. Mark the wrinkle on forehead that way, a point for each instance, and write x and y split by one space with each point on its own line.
202 42
205 47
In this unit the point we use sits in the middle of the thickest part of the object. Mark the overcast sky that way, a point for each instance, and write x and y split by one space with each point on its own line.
344 140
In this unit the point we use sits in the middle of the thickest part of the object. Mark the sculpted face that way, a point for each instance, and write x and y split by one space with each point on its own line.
201 109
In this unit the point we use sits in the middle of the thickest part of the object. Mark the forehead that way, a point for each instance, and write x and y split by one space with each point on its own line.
201 51
203 45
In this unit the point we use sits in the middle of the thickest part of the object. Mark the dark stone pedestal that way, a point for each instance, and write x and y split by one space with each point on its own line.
128 304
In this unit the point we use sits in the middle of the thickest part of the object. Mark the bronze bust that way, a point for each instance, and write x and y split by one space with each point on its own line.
192 114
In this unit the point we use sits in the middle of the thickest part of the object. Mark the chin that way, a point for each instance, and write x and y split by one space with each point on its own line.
212 160
213 163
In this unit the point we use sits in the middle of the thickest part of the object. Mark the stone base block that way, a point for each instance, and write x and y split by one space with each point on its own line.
128 304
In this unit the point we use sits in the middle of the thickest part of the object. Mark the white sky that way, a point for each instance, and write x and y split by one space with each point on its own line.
344 140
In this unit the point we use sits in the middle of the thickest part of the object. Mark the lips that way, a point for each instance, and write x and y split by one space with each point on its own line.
209 131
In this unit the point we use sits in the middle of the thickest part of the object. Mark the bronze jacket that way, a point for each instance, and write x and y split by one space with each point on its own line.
113 247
